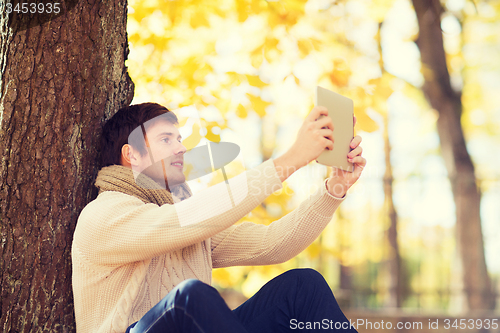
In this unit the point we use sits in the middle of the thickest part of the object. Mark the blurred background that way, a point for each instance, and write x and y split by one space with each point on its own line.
418 235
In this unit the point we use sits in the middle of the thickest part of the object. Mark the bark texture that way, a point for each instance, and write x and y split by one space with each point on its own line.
438 91
60 79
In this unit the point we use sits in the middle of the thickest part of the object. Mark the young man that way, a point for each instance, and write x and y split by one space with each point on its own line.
139 267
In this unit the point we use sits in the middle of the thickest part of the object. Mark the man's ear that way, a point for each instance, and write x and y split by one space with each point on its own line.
128 157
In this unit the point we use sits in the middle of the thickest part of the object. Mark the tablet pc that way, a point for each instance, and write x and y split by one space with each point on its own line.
340 111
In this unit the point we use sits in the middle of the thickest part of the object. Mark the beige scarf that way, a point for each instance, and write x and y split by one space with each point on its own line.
121 179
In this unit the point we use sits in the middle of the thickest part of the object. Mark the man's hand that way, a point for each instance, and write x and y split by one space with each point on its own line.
340 180
314 136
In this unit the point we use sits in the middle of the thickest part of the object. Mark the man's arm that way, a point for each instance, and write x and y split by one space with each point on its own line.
255 244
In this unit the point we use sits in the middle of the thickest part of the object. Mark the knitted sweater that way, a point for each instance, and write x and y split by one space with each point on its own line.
127 255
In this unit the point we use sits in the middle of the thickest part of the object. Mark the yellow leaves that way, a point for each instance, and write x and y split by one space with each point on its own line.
254 281
241 111
199 19
339 78
257 57
285 12
381 92
258 105
223 277
271 43
364 122
313 251
473 94
268 49
255 81
382 86
148 26
305 47
340 73
308 45
241 9
222 104
257 277
362 101
229 277
244 8
378 9
234 77
194 139
213 131
191 73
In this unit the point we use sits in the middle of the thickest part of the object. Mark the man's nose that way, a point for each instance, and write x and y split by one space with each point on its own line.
180 149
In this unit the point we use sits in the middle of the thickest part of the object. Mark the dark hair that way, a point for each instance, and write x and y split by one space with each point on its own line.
117 129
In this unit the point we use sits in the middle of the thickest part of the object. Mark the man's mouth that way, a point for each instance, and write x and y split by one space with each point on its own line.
178 164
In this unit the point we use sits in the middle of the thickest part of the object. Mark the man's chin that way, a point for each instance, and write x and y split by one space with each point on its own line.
174 181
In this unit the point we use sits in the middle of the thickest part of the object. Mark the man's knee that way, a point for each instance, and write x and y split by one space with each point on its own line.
192 287
306 274
306 280
193 290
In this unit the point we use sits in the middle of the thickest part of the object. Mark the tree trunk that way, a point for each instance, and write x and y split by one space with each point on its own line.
61 77
394 262
467 196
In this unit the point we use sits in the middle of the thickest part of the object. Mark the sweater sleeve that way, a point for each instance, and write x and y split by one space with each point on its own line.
116 228
256 244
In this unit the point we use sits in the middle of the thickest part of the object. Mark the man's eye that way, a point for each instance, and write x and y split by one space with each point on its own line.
166 140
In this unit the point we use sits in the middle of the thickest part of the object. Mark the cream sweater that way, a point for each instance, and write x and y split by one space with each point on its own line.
127 255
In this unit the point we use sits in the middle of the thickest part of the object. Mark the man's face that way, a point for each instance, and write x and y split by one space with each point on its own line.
164 160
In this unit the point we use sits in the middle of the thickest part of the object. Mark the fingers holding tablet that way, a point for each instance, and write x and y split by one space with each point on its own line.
356 151
317 112
355 142
340 113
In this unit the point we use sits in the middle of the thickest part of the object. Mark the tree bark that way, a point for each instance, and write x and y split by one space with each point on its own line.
438 91
61 78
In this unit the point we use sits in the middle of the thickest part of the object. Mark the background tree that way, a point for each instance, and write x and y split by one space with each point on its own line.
467 195
394 261
61 77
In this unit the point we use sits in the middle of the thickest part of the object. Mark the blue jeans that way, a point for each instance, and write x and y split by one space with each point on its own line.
297 300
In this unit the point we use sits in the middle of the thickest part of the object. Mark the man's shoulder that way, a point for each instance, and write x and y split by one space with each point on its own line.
113 198
108 203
